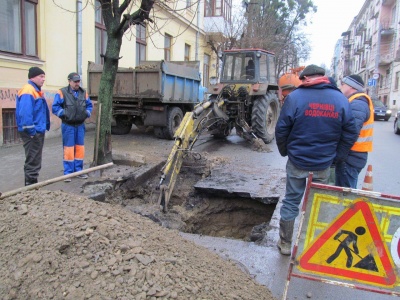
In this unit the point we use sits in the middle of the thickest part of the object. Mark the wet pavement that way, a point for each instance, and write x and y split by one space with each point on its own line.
263 262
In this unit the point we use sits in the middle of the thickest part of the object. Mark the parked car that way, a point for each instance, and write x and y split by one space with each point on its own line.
397 123
381 112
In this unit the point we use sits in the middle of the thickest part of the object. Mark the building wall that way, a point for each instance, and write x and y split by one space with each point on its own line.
374 49
58 53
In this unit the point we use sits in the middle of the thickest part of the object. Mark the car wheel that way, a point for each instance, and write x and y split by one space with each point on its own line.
387 119
397 126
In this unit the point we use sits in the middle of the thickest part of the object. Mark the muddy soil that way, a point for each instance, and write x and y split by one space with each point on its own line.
194 211
55 245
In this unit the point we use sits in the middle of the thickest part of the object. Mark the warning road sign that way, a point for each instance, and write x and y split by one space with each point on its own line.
351 248
349 237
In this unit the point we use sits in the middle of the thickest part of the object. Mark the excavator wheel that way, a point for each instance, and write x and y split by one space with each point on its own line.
264 116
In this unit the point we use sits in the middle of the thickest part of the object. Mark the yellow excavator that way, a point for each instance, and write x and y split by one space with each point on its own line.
245 98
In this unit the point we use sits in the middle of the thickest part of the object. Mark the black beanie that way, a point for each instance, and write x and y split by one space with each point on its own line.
312 70
355 81
34 71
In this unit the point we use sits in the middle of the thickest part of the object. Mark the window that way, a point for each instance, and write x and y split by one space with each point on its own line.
167 47
10 128
206 70
140 43
18 27
263 68
189 4
100 35
214 8
396 83
387 78
187 52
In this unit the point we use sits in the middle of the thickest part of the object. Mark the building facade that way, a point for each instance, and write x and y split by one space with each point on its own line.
63 36
371 49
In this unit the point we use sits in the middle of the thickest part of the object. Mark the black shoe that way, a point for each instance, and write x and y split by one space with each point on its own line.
30 181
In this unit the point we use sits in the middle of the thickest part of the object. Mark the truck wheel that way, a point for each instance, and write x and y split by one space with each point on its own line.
264 117
123 126
174 119
158 131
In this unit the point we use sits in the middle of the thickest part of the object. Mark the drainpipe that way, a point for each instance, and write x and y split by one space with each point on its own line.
377 58
196 56
79 37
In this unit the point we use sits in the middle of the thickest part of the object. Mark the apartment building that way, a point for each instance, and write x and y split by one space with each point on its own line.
63 36
371 49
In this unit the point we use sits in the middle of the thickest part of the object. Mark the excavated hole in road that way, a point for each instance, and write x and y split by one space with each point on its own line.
197 212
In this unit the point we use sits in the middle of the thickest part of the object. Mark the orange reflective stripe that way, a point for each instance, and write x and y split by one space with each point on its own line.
69 153
29 89
79 151
364 141
60 94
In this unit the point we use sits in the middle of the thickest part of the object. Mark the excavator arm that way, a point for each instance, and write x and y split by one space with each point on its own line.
203 117
185 136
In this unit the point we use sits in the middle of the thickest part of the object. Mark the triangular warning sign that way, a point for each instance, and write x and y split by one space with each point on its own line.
351 248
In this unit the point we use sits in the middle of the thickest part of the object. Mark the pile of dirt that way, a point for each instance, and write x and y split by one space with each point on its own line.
55 245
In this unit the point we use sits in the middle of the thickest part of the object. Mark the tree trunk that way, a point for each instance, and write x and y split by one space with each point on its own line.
107 81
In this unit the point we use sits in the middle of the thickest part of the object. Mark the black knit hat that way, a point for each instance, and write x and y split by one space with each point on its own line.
312 70
355 81
34 71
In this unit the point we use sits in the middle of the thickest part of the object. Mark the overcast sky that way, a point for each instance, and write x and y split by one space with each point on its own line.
331 19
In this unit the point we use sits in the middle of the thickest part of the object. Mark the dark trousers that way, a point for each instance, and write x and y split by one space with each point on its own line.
33 156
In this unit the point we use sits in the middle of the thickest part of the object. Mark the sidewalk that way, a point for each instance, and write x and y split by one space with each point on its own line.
13 157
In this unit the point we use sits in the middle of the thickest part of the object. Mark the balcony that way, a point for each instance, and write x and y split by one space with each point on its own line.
347 43
385 59
359 50
387 28
387 32
368 41
388 2
360 29
373 15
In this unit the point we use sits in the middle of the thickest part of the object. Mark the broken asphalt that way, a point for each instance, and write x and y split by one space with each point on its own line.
263 262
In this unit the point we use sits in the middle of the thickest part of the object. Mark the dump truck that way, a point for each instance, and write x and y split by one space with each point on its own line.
154 93
244 99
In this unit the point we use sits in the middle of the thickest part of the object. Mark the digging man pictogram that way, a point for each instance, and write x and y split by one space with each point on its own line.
345 245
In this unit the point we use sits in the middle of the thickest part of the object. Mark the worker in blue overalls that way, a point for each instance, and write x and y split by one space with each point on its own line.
73 106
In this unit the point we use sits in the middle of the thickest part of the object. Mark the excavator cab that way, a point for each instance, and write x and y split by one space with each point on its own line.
248 66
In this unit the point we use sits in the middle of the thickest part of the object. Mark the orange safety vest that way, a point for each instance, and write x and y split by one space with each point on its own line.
364 141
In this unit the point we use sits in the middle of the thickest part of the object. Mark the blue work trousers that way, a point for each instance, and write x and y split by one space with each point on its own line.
73 137
295 185
346 175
